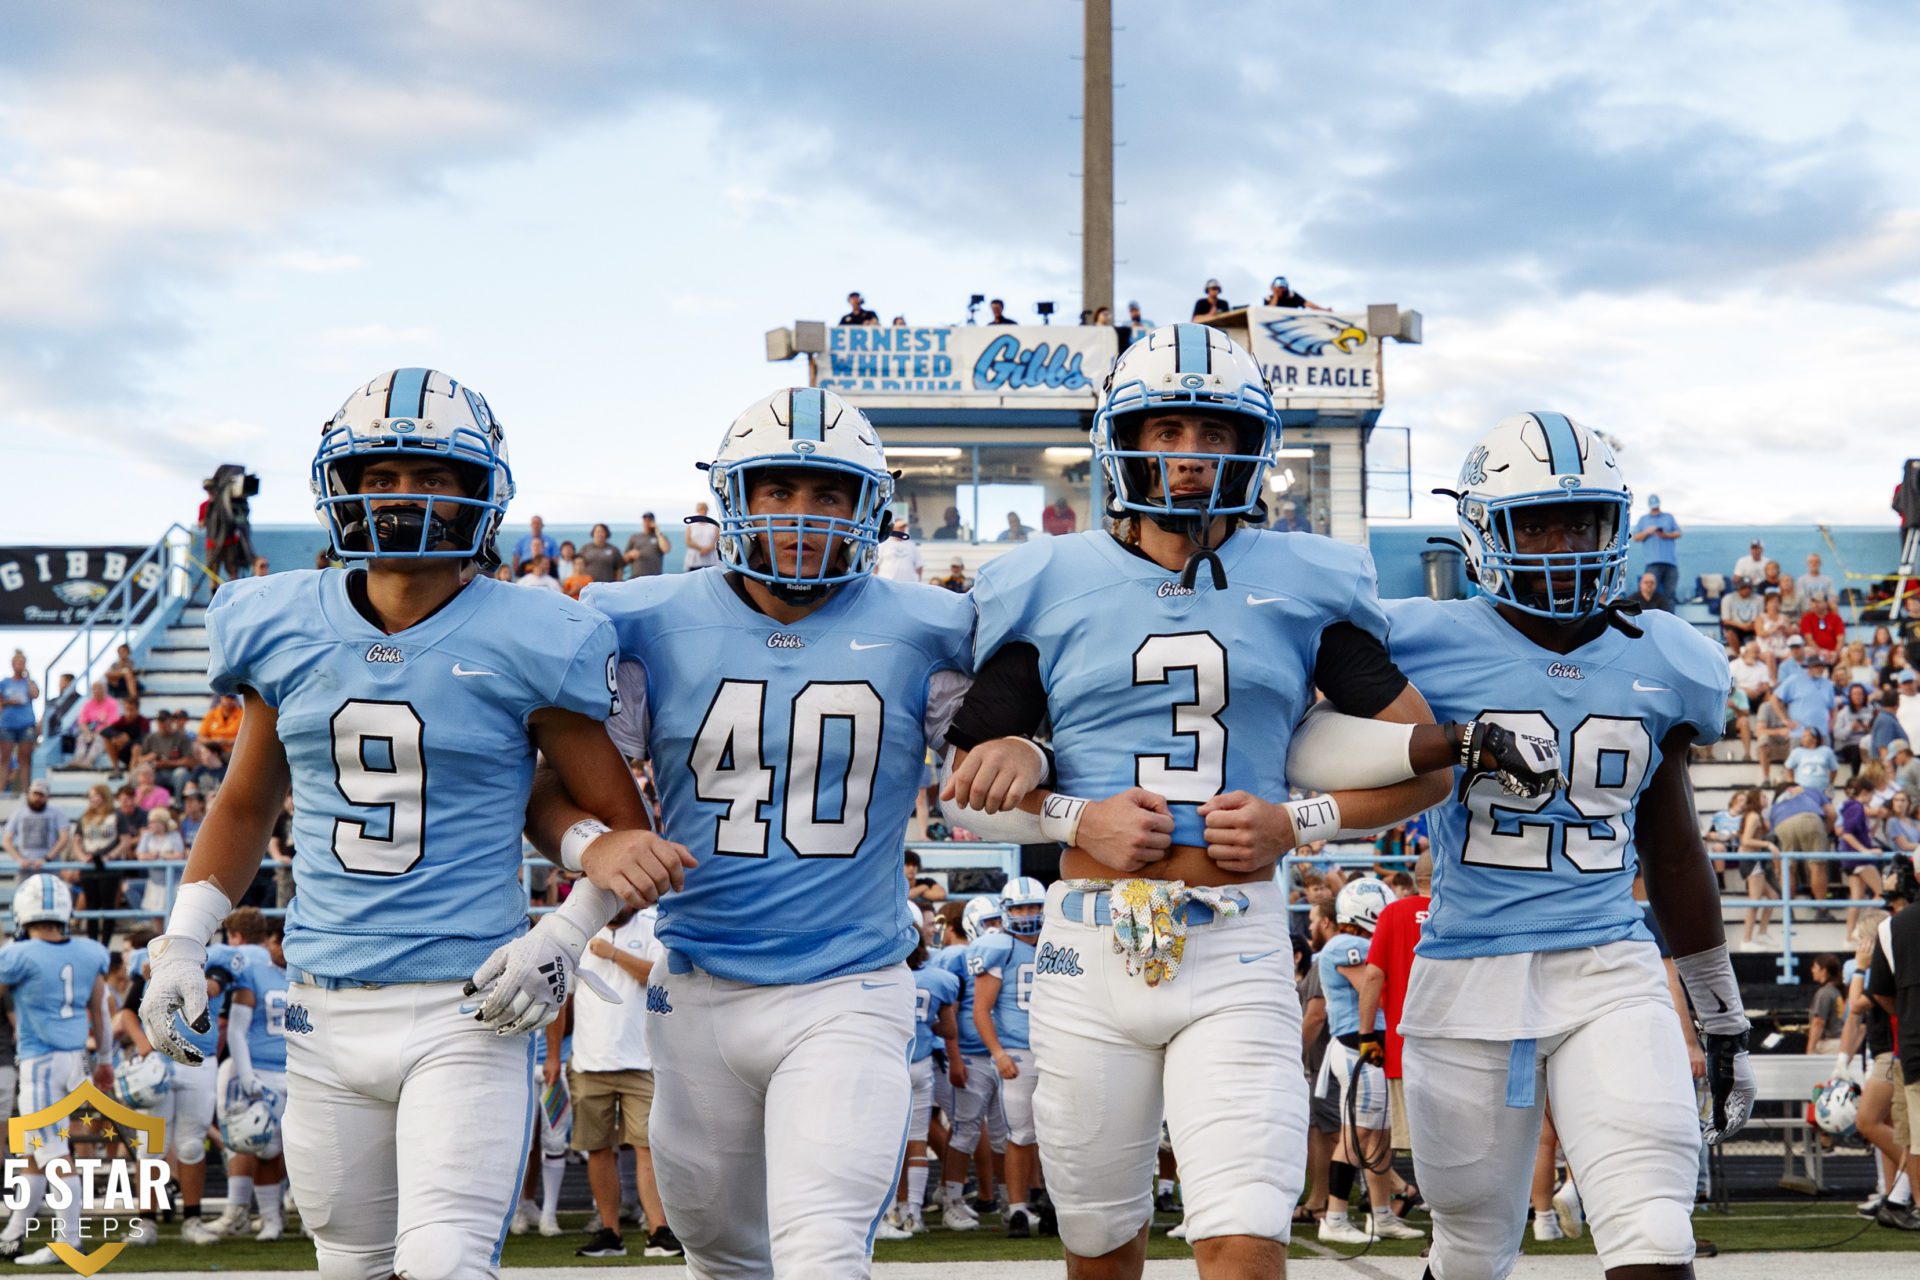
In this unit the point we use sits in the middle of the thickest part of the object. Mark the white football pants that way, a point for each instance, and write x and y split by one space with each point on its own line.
779 1118
1623 1105
406 1131
1216 1050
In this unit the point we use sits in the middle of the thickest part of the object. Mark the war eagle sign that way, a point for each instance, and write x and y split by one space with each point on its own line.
1310 333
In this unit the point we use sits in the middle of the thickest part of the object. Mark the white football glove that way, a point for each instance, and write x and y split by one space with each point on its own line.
526 981
176 992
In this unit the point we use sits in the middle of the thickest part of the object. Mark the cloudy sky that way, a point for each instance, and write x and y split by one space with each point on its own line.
1696 226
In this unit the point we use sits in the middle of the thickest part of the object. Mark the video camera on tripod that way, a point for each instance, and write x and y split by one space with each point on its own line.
228 524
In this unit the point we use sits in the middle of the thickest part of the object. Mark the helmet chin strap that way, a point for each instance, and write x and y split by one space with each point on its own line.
1199 530
392 527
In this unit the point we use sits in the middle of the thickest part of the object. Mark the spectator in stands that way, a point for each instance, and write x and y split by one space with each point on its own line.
148 794
260 567
1808 696
1859 856
703 541
1739 720
1886 729
1752 674
857 312
1015 531
1855 668
193 812
1772 583
37 832
1282 294
1135 318
1657 531
563 565
1762 880
1103 317
898 557
577 581
950 530
1901 832
1880 648
209 768
1827 1013
97 841
533 543
1739 612
167 749
1754 566
160 841
922 890
221 725
1812 763
18 723
647 549
57 708
1774 630
123 678
1906 769
1651 596
1824 629
280 853
1803 822
1908 688
1852 722
997 312
96 713
1724 829
600 559
1773 735
538 575
1813 584
956 579
123 733
1211 303
1058 518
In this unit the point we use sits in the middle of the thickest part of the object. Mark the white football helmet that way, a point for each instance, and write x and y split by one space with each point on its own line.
801 427
1533 460
252 1126
141 1080
1361 901
1195 368
423 413
42 898
1836 1104
981 912
1023 905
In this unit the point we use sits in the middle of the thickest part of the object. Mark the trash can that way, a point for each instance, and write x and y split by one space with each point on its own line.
1443 570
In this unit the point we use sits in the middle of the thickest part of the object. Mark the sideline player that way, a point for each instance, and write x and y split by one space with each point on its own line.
255 1071
1002 965
1536 974
936 991
787 698
974 1099
1170 695
404 702
58 984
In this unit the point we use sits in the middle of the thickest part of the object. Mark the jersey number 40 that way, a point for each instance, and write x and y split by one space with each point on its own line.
1607 759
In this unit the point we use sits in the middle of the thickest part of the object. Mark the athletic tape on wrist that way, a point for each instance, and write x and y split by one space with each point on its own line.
1315 818
573 845
1060 817
198 911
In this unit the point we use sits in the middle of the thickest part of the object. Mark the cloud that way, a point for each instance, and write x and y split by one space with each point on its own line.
378 335
313 262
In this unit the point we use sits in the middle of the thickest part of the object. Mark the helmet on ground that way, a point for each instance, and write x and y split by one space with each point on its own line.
1538 460
1024 902
981 912
42 899
141 1080
251 1126
1361 901
413 413
1185 368
1836 1103
810 430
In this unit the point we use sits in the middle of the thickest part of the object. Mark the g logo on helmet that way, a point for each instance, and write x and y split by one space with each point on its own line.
1569 483
402 426
1192 381
804 446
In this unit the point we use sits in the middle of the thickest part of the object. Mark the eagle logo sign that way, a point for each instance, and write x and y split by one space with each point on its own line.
1310 333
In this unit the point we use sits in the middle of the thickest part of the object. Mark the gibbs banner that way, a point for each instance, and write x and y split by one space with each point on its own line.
60 586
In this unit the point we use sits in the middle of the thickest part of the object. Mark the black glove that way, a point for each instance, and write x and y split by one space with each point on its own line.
1521 763
1730 1079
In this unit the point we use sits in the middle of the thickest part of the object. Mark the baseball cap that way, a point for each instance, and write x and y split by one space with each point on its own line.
1756 543
1795 640
1742 580
1907 676
1653 502
1898 745
38 787
1213 284
1279 282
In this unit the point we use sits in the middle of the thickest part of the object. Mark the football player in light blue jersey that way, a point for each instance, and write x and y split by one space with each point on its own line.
58 985
1170 658
1536 975
976 1106
404 699
787 698
255 1069
1002 965
936 990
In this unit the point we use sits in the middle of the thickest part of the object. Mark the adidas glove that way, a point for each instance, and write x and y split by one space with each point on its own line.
1523 765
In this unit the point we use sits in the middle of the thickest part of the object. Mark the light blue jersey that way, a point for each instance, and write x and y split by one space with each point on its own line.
1343 998
411 759
255 971
1187 693
51 983
1553 874
957 961
788 760
1010 959
934 988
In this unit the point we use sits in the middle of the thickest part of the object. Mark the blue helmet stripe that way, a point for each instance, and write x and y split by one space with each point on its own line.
46 887
1190 352
1563 447
407 393
809 414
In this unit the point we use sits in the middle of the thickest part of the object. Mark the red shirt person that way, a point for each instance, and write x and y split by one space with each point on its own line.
1824 629
1388 969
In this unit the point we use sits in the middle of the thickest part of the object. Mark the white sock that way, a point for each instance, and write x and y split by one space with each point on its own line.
552 1170
70 1216
1163 1187
36 1196
1902 1192
1382 1211
1335 1215
1016 1208
268 1195
916 1186
239 1192
955 1191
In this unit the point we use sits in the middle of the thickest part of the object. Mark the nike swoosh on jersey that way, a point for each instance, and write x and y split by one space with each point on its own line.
1253 599
1650 688
1261 955
857 647
462 671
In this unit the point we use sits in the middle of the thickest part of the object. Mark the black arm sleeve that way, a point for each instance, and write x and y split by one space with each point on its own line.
1355 671
1006 700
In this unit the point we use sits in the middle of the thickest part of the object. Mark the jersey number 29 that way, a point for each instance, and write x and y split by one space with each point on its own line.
1607 759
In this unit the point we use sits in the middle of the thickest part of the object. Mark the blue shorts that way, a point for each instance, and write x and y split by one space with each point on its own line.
24 733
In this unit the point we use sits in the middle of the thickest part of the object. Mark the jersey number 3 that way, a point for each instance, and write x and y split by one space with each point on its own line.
1607 759
1197 722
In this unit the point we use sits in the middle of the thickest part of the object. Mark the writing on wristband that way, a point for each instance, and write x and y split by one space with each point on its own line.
573 845
1060 817
1315 818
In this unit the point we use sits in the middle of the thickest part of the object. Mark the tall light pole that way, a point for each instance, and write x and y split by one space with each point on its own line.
1096 160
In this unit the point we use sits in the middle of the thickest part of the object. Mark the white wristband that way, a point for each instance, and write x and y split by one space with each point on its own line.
198 911
573 845
1315 818
1060 817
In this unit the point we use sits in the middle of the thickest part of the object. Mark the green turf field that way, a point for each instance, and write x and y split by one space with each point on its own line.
1780 1225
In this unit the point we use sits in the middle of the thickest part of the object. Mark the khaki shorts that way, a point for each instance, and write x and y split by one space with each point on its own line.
1397 1114
1886 1066
609 1108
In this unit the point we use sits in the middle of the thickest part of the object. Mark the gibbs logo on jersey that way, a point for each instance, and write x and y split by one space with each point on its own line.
1554 873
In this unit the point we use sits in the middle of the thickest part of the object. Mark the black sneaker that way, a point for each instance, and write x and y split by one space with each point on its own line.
664 1244
1165 1203
1018 1228
1049 1220
1900 1217
602 1244
985 1208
